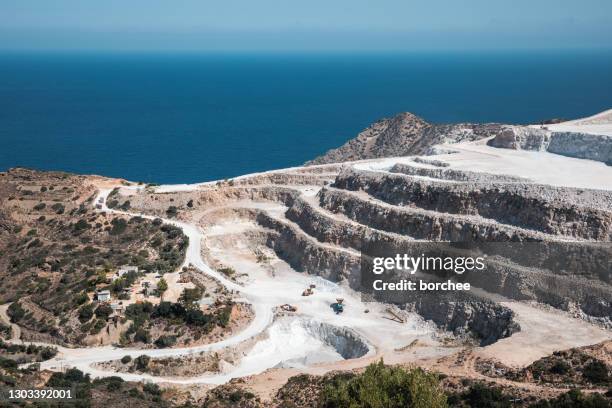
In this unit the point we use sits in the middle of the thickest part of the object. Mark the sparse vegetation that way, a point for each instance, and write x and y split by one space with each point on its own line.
144 315
596 372
384 386
575 399
57 264
20 353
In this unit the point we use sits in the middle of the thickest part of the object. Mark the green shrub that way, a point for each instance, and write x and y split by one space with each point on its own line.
40 206
126 359
7 363
135 393
15 312
103 311
81 298
480 395
58 208
172 211
48 353
575 399
86 313
142 362
165 341
71 377
142 336
113 383
560 367
98 326
190 297
152 389
596 372
382 386
80 226
119 225
8 380
139 312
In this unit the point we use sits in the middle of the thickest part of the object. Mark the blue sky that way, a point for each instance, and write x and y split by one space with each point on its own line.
290 25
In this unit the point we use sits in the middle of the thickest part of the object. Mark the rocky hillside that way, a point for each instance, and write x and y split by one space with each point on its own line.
401 135
56 251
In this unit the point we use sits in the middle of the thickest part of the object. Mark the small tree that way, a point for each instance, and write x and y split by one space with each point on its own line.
190 297
86 312
103 311
162 286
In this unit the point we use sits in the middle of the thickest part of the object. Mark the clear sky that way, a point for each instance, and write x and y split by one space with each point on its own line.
304 25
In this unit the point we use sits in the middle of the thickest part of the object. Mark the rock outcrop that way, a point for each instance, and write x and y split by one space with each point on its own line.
582 146
402 135
571 144
521 137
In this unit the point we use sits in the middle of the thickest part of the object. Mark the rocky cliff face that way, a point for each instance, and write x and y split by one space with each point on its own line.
402 135
582 146
570 212
571 144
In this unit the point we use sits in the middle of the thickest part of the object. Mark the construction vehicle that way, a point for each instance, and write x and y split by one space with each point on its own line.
338 307
288 308
307 292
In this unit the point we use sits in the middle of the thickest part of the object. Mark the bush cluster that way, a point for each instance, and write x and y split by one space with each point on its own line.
383 386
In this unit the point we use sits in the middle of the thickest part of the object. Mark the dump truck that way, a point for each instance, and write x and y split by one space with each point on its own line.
338 307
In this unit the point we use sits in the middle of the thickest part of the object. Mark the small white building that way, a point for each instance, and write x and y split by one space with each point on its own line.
149 291
103 296
126 268
117 308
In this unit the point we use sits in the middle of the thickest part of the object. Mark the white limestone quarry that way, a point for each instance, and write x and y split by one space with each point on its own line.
314 336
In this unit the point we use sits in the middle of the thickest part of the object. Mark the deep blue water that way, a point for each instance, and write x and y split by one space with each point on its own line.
188 118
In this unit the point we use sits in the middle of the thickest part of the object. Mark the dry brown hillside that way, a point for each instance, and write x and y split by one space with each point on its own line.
55 251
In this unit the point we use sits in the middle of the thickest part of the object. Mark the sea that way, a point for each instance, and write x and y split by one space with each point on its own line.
183 118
